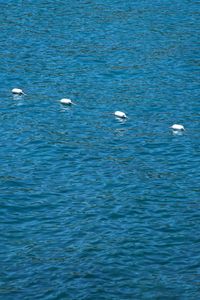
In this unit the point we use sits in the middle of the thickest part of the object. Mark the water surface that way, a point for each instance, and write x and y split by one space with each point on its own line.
93 207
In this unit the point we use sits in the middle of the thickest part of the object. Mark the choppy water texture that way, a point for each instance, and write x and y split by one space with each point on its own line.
92 207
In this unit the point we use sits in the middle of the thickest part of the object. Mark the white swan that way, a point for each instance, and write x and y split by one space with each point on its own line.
17 91
120 114
177 127
66 101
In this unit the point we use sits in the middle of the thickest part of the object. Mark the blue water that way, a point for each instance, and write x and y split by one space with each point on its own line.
94 208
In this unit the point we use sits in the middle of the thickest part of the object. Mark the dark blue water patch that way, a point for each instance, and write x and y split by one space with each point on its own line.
94 207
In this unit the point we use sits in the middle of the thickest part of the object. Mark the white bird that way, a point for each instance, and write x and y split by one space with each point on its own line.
120 114
17 91
66 101
177 127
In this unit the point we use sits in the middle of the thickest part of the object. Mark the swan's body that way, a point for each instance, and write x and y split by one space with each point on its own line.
120 114
17 91
177 127
66 101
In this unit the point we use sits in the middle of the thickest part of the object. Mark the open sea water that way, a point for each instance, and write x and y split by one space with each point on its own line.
93 207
